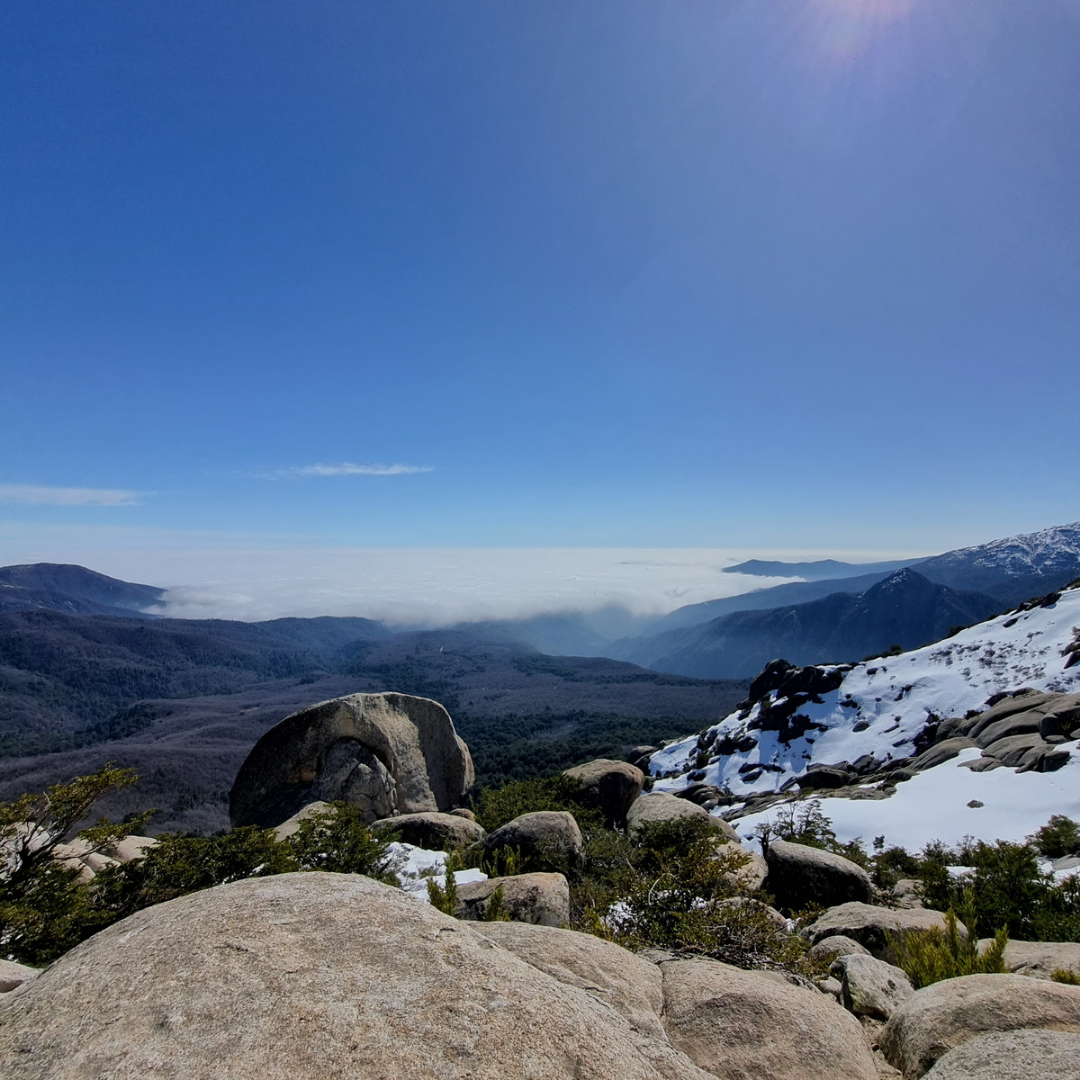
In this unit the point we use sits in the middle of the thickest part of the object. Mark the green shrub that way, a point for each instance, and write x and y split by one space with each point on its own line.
1065 975
928 956
1059 837
497 806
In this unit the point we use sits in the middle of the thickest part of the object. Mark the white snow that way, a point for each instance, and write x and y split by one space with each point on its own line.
414 867
892 698
933 805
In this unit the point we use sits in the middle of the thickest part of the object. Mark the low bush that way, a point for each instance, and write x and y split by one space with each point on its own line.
928 956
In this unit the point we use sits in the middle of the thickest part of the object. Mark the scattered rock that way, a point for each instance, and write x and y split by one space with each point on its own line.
540 899
545 835
431 830
1034 1054
800 875
906 893
743 1025
941 752
1039 959
609 786
946 1014
660 806
831 948
382 752
631 985
312 977
870 986
824 776
1011 751
868 924
752 874
12 975
291 825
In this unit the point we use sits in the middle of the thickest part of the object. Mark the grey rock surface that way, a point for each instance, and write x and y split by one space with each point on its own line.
871 987
868 924
660 807
746 1025
609 786
311 977
544 834
830 948
540 899
944 1015
430 830
800 875
1034 1054
941 752
13 974
630 985
382 752
1039 959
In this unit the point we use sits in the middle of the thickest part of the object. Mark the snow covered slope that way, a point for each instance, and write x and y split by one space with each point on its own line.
880 707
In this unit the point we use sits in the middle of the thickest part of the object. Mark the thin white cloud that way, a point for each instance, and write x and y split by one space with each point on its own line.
40 495
349 468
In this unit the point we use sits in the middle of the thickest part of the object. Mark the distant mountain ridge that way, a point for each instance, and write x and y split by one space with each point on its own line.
818 570
904 609
65 587
1011 570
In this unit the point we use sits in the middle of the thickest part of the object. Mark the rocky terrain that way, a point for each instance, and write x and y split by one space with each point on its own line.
335 975
1001 695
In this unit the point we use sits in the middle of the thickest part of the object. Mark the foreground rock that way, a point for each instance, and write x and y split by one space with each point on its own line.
1039 959
662 807
312 977
632 986
832 948
544 836
870 925
540 899
751 1025
433 831
801 875
385 753
609 786
870 987
1012 1055
947 1014
12 975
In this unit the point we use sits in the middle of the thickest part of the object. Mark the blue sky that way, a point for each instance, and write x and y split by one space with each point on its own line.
798 275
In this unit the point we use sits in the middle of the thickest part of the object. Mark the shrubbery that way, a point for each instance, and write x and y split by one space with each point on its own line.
928 956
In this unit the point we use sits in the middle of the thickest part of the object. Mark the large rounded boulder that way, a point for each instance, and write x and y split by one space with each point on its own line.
433 831
386 753
873 927
609 786
312 977
800 875
945 1015
544 837
753 1025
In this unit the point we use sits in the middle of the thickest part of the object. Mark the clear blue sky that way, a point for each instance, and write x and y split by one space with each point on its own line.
736 273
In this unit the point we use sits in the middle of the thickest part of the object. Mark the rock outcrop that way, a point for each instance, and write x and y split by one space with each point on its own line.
748 1025
800 875
1039 959
870 987
1012 1055
869 925
430 830
662 807
539 899
631 986
12 975
609 786
312 977
947 1014
387 753
544 836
